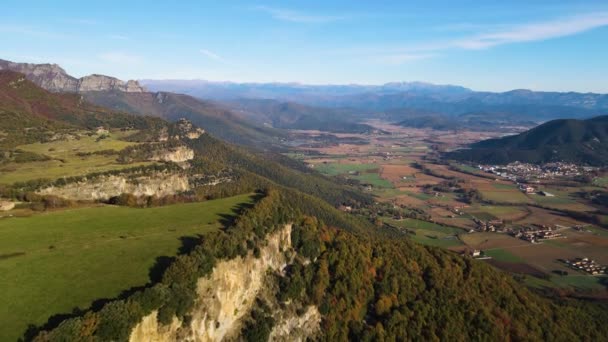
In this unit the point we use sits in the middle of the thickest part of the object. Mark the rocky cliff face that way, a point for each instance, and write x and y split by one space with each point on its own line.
105 187
53 78
227 295
178 154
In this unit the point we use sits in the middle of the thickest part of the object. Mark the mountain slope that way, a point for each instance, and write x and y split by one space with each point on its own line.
53 78
293 115
363 288
217 120
130 97
577 141
29 113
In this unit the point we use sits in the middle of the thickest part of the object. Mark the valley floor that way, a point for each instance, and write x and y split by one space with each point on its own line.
404 171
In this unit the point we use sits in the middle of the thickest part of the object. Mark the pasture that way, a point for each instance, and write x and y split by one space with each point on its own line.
54 262
65 159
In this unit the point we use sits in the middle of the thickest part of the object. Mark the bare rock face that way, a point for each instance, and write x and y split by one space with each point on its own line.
227 295
161 184
6 205
187 130
178 154
53 78
102 83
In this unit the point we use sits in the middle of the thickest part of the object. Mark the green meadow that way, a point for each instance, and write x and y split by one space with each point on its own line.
65 161
54 262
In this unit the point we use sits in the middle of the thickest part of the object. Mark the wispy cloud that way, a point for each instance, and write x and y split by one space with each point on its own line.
534 31
119 57
297 16
212 55
489 36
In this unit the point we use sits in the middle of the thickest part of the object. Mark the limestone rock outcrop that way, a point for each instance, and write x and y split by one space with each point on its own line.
105 187
54 78
227 295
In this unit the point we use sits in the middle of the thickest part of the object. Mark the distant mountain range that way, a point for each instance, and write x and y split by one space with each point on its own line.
292 115
255 113
577 141
396 101
253 123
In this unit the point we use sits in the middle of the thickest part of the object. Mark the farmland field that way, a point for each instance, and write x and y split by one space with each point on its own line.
409 175
57 261
65 161
334 169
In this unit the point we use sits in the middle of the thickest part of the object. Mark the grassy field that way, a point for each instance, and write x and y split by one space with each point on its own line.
429 233
578 282
374 179
53 169
334 169
431 238
601 181
68 148
489 212
54 262
66 162
503 255
504 195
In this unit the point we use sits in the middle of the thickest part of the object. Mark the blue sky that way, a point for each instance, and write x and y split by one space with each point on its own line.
484 45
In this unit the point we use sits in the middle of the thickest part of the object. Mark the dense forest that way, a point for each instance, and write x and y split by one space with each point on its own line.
366 286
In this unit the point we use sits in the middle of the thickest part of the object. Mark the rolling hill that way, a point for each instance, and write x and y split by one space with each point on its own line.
29 113
576 141
217 119
292 115
112 93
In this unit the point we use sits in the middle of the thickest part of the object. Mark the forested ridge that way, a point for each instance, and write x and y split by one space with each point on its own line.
366 286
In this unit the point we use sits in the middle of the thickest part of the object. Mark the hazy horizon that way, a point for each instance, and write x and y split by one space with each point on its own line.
546 45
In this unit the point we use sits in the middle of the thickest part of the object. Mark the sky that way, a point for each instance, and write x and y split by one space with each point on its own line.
483 45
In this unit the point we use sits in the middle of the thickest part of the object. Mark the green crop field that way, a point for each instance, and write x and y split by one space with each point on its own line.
374 179
429 233
504 196
579 282
501 186
420 224
503 255
334 169
601 181
54 262
66 162
53 169
433 238
85 143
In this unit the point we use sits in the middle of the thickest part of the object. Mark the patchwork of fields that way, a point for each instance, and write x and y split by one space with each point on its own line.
403 177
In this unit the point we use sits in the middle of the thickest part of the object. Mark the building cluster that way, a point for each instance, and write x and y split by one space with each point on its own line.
489 226
536 233
587 265
528 172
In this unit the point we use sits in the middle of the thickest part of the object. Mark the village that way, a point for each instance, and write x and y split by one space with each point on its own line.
526 172
587 265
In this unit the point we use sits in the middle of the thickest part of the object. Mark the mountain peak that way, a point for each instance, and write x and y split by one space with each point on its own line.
54 78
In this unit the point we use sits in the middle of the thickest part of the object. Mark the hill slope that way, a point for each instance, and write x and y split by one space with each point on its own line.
577 141
112 93
217 120
293 115
29 113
